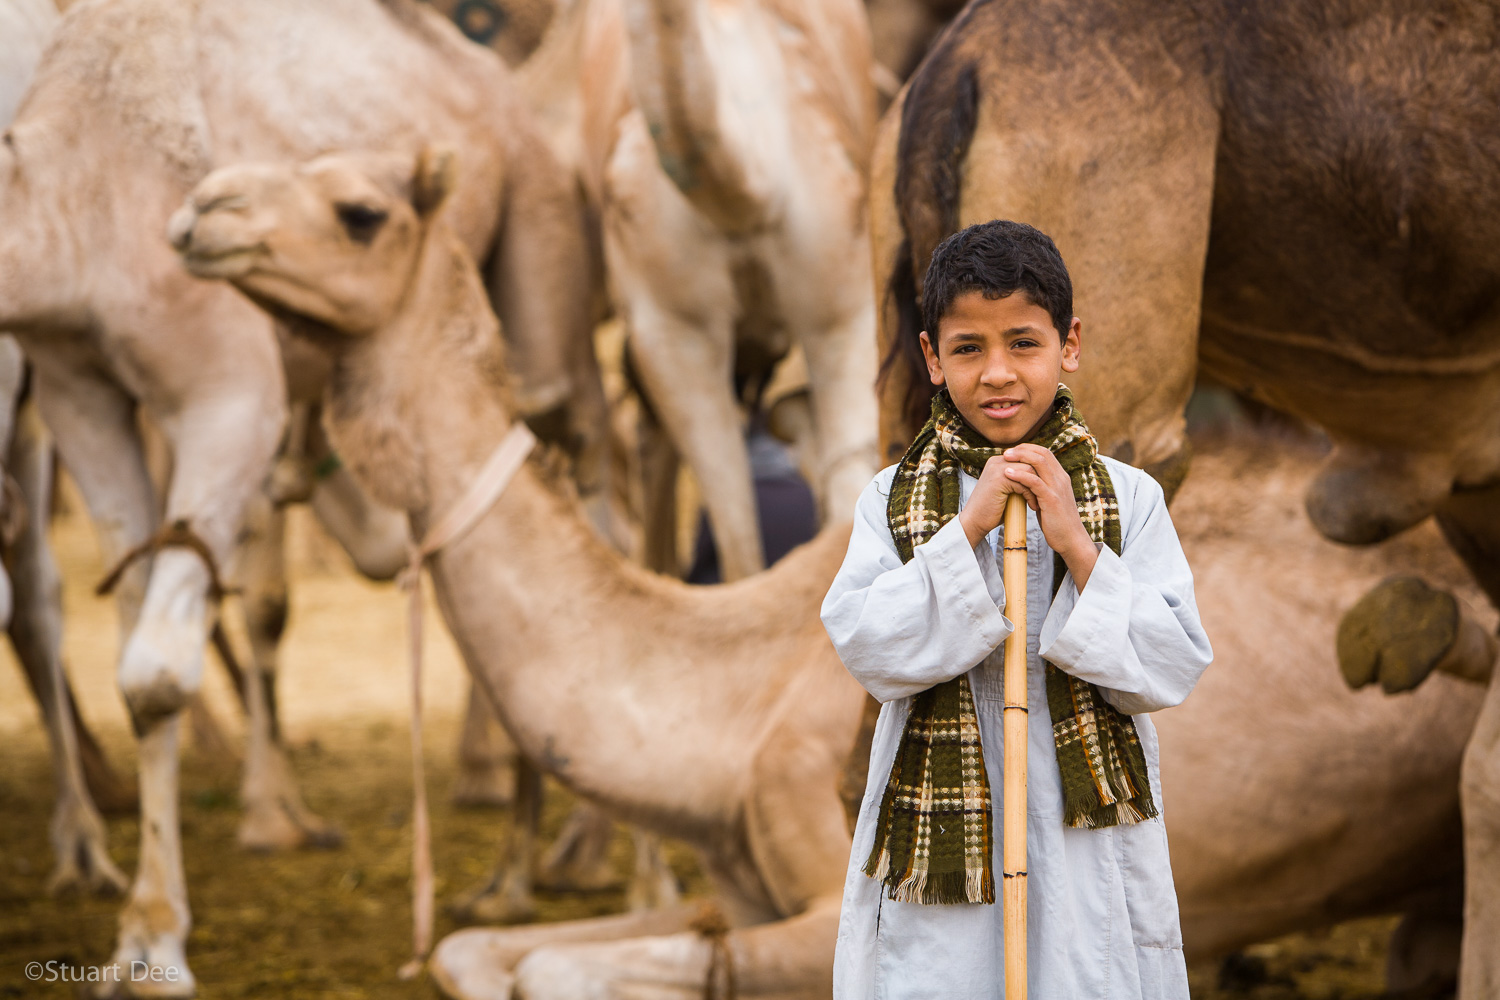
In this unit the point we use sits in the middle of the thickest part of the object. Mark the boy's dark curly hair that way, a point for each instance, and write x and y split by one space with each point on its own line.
997 258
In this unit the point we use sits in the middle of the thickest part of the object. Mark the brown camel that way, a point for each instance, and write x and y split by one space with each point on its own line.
1295 197
134 101
721 714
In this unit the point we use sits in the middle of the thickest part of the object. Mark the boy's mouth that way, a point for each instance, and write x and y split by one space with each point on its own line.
1000 409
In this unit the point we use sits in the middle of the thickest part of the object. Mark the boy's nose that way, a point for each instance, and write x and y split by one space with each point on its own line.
998 371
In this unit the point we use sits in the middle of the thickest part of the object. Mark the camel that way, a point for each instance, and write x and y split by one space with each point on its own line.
1294 200
721 714
134 101
723 150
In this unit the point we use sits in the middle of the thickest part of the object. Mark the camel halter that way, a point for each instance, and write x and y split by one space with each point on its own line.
504 462
177 534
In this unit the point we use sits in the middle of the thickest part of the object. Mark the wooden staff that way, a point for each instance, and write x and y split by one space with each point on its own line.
1013 846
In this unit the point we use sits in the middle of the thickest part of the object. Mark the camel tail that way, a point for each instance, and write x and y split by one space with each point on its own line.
938 120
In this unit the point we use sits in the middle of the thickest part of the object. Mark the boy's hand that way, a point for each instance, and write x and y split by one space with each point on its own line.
1033 472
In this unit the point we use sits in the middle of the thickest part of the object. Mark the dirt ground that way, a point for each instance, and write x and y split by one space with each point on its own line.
336 924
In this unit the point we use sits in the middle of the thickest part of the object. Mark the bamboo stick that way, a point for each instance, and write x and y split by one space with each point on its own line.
1013 845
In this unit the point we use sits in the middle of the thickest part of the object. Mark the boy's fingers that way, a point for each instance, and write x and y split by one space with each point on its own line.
1032 454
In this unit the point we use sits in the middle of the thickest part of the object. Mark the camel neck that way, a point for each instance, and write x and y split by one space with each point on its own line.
417 406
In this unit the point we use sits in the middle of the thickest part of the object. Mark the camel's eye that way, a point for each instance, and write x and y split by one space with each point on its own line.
361 222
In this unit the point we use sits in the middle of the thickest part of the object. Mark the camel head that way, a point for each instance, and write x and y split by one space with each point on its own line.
350 251
334 240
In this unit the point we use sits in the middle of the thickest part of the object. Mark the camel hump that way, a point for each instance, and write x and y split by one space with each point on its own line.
136 61
1036 62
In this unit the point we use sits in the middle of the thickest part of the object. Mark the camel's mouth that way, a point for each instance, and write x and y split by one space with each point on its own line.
221 262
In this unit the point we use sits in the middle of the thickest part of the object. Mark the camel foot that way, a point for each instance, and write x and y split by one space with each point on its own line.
504 899
157 969
488 786
285 826
86 868
1403 630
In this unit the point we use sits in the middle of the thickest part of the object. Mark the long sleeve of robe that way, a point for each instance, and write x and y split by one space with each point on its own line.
1102 911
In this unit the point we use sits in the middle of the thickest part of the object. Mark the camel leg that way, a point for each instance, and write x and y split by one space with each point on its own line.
110 792
479 963
79 836
1479 797
1423 951
486 757
505 897
222 449
578 860
1467 521
841 377
275 816
652 885
659 468
703 422
786 959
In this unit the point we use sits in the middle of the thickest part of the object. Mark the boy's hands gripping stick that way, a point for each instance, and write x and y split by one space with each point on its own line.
1033 473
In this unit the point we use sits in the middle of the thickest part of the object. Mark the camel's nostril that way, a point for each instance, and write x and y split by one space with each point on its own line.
180 229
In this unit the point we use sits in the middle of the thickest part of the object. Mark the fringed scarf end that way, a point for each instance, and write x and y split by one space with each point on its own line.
1123 813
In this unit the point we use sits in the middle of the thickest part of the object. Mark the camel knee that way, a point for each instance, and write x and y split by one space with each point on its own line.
163 660
1363 495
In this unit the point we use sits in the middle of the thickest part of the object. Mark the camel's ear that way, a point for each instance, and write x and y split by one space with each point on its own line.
435 177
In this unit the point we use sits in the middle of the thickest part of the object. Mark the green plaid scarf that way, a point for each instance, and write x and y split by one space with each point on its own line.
933 842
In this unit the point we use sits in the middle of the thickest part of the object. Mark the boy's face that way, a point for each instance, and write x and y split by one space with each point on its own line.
1001 360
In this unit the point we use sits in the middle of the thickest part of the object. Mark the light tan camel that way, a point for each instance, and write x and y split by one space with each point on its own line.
724 149
721 715
1300 202
134 101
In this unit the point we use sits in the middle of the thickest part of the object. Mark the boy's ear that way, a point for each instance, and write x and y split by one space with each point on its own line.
1072 350
929 353
435 176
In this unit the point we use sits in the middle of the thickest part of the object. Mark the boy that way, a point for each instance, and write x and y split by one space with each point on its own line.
915 615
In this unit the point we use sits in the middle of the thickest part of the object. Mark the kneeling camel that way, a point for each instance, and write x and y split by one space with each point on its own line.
721 715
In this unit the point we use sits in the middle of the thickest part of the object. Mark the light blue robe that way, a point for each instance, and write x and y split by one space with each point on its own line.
1101 906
